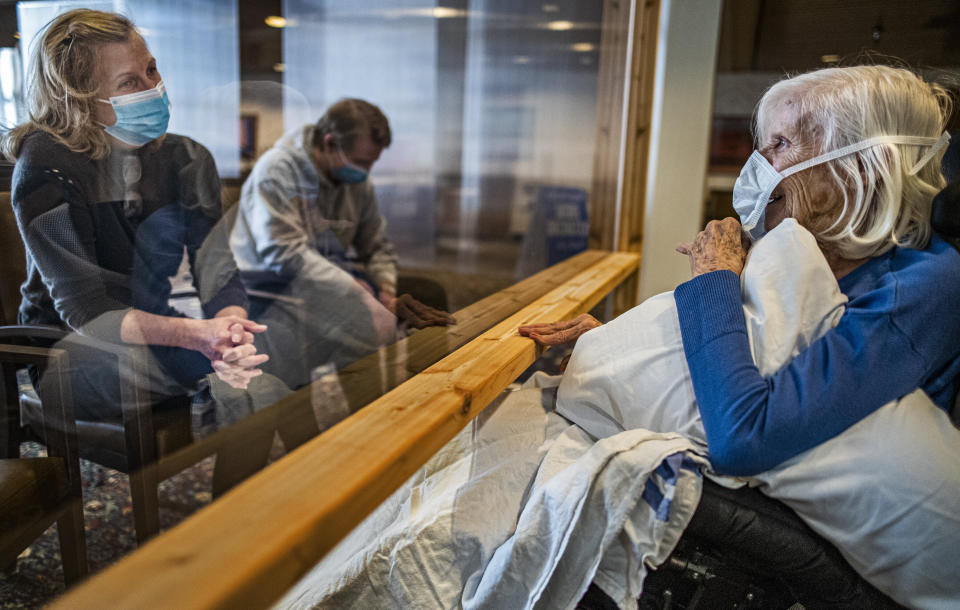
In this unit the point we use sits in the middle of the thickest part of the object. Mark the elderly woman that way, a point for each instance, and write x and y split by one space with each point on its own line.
107 203
850 156
853 155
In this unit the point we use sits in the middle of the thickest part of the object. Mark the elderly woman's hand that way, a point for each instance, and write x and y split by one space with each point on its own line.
558 333
721 245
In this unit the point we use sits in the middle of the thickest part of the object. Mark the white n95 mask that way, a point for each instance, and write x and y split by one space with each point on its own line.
751 192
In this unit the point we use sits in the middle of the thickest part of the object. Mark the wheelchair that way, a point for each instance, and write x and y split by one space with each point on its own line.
745 550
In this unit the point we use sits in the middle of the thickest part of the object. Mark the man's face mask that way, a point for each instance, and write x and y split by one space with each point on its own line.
141 117
348 173
758 178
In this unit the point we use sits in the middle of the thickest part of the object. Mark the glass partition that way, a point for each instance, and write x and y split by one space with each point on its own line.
488 102
354 243
371 238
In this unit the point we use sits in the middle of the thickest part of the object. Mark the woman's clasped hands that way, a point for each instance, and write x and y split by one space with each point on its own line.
227 340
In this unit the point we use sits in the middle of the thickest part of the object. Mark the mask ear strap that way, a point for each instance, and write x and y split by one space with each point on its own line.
863 145
930 154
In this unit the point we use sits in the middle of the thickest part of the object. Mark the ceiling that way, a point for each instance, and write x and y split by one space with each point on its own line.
757 35
796 35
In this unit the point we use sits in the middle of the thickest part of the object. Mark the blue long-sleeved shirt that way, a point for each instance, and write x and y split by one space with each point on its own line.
900 332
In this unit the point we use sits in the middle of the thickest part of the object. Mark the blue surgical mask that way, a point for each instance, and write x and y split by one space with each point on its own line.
754 186
141 117
348 173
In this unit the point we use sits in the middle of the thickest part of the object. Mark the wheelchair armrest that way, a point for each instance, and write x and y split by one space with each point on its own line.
764 536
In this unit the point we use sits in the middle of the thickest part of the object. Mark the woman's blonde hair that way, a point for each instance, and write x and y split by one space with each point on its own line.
883 204
62 84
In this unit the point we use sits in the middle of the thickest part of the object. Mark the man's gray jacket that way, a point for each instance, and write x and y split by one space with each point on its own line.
295 222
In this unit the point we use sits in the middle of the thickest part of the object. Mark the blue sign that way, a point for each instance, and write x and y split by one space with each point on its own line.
565 220
559 228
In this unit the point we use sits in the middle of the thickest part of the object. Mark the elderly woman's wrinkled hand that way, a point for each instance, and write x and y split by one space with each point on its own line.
559 333
721 245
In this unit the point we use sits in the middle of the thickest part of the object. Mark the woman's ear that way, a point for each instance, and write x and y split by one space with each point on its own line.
329 142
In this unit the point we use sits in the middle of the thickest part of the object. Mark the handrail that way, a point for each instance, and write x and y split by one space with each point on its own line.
248 548
361 380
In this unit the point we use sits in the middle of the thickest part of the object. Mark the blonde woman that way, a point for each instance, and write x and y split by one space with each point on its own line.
107 203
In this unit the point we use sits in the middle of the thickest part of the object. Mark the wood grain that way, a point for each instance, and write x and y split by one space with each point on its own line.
639 112
624 112
364 380
246 549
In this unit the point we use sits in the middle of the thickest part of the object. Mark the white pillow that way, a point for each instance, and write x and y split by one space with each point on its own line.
632 373
886 491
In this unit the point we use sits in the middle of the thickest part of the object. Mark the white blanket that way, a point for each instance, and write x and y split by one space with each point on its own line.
520 510
886 491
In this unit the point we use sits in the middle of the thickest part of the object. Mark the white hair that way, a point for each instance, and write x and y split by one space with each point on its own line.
883 205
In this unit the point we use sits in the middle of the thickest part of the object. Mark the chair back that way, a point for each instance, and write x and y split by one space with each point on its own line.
13 262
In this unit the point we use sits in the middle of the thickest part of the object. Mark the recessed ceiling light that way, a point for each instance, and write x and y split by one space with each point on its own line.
276 21
560 26
445 12
279 67
521 59
583 47
550 8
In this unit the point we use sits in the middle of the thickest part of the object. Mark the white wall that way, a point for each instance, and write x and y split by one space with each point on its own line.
680 137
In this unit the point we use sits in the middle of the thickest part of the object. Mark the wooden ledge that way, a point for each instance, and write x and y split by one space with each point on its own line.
248 548
362 382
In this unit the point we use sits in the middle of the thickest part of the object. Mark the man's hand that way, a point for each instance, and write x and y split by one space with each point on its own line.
559 333
721 245
415 313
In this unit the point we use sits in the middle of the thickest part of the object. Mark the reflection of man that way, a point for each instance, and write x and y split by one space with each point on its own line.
308 221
